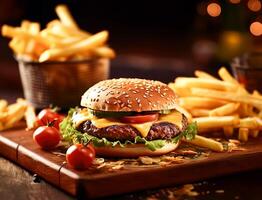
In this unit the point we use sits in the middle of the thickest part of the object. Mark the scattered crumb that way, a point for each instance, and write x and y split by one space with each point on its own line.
234 141
149 160
188 152
219 191
174 193
234 145
99 161
117 167
186 190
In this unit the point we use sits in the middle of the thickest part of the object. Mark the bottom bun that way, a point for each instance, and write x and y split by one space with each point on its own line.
134 150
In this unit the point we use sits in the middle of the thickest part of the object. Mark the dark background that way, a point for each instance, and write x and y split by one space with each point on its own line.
153 39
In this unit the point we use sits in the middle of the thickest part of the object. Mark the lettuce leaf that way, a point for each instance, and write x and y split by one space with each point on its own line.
71 135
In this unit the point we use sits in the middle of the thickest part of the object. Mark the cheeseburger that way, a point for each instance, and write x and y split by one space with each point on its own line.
128 117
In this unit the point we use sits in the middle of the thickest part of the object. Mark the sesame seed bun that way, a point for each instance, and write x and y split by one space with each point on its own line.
134 150
129 94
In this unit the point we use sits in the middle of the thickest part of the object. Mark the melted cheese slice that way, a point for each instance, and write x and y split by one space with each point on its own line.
174 117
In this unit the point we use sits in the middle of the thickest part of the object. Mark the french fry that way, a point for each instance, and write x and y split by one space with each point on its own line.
105 52
199 112
243 134
206 142
59 29
216 122
224 110
226 76
9 31
34 28
30 117
200 102
18 43
249 122
15 113
244 110
3 116
228 96
238 108
209 130
201 74
64 15
205 83
93 41
228 131
256 94
181 91
3 105
61 40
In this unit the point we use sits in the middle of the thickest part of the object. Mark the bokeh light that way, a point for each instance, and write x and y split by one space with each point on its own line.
254 5
214 9
256 28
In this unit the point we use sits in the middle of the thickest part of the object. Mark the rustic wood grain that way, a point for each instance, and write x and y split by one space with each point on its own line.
99 184
16 183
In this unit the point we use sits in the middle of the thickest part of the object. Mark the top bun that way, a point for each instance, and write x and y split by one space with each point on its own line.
129 94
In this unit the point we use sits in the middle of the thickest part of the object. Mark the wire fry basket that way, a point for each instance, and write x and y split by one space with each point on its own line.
60 83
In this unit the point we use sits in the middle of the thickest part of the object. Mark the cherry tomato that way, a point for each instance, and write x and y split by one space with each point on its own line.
79 156
46 137
47 116
138 119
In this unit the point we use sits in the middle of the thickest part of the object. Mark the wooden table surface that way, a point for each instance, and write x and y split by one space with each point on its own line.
17 184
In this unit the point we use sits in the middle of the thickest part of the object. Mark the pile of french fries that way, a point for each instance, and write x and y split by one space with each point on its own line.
220 104
61 40
11 114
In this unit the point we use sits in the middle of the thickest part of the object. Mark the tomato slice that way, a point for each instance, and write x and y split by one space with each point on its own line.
139 119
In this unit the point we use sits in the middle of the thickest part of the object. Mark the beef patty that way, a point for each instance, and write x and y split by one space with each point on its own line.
160 130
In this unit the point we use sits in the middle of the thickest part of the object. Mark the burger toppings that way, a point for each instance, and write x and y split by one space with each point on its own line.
160 130
120 112
138 119
141 123
78 128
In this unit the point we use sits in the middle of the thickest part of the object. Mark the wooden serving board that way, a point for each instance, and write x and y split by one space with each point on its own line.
99 181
